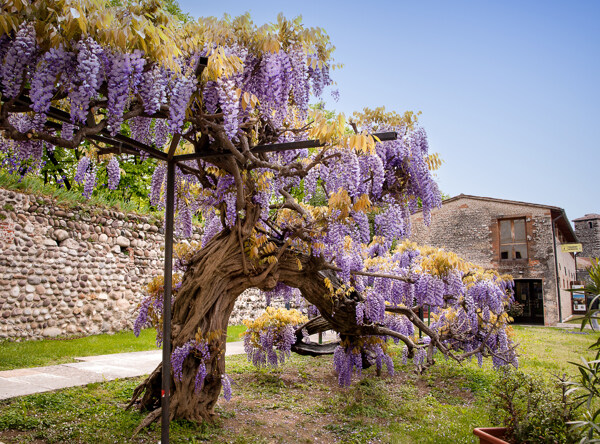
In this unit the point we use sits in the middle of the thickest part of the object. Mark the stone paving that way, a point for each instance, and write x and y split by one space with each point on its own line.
89 369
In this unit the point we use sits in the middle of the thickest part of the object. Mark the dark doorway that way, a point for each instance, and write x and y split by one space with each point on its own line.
529 293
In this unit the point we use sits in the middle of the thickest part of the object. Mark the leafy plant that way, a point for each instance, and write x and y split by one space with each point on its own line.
587 391
587 386
532 410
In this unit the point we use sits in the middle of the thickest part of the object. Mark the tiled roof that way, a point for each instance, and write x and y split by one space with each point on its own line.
587 217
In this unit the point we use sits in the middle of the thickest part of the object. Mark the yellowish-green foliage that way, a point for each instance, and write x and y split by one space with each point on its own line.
379 117
183 251
437 262
149 27
259 249
155 289
272 318
434 161
336 131
276 317
145 26
213 338
156 285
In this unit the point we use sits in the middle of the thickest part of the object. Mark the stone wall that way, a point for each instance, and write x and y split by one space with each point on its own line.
589 236
468 226
78 270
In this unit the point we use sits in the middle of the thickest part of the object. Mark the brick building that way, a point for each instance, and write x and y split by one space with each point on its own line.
518 238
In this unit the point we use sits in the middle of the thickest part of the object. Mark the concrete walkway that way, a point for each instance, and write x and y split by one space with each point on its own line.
89 369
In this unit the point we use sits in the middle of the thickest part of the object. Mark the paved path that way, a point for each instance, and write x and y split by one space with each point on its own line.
89 369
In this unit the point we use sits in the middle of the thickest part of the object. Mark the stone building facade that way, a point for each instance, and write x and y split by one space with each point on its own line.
79 271
517 238
587 229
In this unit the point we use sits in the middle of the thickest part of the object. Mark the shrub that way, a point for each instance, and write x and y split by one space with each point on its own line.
531 409
586 387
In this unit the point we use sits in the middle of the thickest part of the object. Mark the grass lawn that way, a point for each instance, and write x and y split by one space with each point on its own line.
59 351
300 403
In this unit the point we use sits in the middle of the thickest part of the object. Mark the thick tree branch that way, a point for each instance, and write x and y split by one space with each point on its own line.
367 273
384 331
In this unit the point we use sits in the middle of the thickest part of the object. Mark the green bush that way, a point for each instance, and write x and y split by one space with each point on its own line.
531 409
586 387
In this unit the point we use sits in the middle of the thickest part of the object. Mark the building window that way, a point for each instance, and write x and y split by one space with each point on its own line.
590 225
513 239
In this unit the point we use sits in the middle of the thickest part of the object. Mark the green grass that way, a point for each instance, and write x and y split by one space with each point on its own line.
550 349
301 402
59 351
69 198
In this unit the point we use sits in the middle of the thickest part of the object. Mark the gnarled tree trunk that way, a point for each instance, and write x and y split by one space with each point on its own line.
214 279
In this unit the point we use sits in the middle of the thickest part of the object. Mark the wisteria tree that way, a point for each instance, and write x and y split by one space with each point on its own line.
325 224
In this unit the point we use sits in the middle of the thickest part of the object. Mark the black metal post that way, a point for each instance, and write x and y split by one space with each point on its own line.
166 355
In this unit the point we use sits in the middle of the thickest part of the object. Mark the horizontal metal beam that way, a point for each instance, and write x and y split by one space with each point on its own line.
286 146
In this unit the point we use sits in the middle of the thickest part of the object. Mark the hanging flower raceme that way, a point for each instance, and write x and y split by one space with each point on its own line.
150 308
113 171
199 349
268 339
18 57
349 357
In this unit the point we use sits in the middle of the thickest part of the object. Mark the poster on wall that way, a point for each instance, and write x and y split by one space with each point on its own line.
578 298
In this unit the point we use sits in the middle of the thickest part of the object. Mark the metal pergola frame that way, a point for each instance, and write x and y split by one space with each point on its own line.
123 144
168 268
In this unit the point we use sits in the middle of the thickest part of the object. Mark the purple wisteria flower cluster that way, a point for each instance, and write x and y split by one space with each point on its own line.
466 304
275 346
23 156
201 351
113 172
349 358
268 339
287 293
19 54
86 175
78 74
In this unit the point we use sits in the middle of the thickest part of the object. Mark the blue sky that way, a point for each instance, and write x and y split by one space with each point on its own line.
509 91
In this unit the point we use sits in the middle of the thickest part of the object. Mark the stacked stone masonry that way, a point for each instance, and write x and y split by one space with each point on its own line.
80 270
587 229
